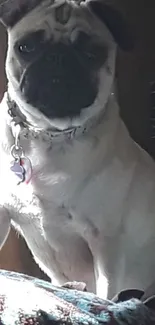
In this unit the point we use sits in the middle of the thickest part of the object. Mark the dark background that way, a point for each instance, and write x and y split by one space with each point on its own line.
135 74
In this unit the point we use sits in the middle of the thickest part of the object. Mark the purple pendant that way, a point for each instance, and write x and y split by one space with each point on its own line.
18 170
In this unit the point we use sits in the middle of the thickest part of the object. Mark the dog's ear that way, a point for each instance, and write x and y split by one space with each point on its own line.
11 11
150 303
115 22
128 294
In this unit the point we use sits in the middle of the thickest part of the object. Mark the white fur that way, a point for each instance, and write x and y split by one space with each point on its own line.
89 212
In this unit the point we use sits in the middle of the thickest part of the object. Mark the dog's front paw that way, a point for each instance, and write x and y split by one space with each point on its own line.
80 286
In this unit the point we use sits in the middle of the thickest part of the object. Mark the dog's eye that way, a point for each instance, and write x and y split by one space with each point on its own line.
29 46
83 44
82 40
94 53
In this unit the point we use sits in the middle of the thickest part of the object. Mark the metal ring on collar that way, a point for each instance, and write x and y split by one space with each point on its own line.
16 152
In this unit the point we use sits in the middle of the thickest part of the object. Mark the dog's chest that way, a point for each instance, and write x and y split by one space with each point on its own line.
46 200
64 192
67 188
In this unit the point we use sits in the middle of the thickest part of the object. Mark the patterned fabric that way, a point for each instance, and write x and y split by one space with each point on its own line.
30 301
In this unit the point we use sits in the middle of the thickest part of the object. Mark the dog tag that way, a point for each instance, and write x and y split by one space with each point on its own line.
27 166
18 170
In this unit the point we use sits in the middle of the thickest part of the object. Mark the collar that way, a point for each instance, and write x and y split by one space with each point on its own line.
55 135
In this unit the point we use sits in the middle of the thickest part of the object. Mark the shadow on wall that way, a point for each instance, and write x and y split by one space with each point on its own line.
136 72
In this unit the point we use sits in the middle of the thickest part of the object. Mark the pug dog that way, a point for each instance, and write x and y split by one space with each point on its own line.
73 183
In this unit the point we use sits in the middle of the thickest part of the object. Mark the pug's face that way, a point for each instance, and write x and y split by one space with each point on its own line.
61 58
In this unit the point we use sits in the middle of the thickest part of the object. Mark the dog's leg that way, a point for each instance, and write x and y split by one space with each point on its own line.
5 223
107 265
106 280
101 281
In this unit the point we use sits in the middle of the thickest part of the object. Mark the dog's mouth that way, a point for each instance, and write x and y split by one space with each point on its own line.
60 82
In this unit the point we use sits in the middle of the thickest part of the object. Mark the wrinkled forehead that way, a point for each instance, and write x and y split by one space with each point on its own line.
57 17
